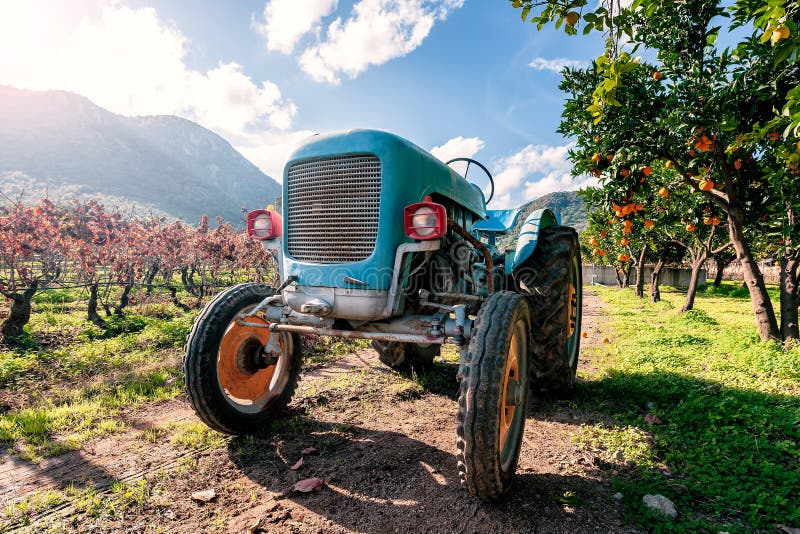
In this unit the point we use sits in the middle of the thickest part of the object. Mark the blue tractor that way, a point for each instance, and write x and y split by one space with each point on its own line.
380 240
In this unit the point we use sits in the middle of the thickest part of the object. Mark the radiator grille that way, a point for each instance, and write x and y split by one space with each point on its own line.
333 206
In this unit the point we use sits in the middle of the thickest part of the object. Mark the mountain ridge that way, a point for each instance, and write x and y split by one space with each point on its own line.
63 145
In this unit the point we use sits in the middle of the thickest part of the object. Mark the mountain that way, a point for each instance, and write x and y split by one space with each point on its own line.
570 208
62 145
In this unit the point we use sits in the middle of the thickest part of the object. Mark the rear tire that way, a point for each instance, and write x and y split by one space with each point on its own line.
551 279
493 396
229 387
406 356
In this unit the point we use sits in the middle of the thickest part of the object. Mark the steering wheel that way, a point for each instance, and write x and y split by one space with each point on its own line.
479 164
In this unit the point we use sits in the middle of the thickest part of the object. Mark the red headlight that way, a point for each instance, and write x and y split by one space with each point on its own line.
264 224
425 220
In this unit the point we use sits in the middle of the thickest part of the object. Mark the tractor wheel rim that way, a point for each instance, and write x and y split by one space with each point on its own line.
572 308
511 385
240 378
574 303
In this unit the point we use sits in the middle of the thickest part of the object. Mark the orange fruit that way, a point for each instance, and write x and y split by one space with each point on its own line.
603 233
738 163
657 75
584 334
623 257
624 241
596 157
715 221
782 32
648 223
593 241
625 172
572 18
610 158
690 227
647 171
663 192
670 164
596 138
606 340
706 185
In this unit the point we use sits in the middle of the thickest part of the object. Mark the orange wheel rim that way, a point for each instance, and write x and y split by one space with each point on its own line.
510 391
572 309
236 368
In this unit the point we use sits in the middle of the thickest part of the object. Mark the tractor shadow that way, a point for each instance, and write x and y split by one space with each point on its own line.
379 481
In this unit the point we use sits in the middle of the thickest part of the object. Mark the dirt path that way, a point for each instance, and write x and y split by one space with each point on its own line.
384 447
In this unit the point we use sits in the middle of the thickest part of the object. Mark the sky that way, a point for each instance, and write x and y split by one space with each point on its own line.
457 77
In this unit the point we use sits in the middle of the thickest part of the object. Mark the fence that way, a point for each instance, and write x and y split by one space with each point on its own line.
607 276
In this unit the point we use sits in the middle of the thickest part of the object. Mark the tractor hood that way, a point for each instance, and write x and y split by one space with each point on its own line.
343 200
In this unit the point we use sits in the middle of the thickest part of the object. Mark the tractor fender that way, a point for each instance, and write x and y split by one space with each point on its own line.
529 235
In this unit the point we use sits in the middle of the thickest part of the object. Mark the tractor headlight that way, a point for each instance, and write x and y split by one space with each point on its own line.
262 225
425 220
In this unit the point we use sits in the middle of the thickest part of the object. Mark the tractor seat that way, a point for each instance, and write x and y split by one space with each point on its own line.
498 221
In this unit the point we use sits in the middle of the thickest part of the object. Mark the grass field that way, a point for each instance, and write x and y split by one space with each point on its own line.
723 439
690 406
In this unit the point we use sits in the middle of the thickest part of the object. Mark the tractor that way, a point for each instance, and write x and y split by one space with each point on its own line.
377 239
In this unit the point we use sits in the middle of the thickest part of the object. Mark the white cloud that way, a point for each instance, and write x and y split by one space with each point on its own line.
286 21
131 62
556 64
376 32
458 147
532 172
269 151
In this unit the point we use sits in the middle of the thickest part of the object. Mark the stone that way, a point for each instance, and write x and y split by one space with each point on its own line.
618 496
204 496
661 505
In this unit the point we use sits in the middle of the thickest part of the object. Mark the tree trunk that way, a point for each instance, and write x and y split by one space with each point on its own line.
655 280
174 292
91 308
188 283
620 277
789 301
20 314
124 300
766 323
721 264
691 292
639 289
149 277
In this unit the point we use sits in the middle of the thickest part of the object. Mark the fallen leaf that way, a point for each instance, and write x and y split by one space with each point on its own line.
308 485
205 495
308 450
297 464
652 419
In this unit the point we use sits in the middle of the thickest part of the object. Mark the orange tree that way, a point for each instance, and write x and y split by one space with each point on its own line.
703 111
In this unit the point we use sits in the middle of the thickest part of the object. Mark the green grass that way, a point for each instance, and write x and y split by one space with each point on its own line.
70 380
727 447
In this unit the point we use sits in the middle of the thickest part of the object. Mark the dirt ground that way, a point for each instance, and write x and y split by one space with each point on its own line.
384 447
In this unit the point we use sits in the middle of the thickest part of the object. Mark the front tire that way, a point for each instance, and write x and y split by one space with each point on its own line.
552 281
493 396
230 385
